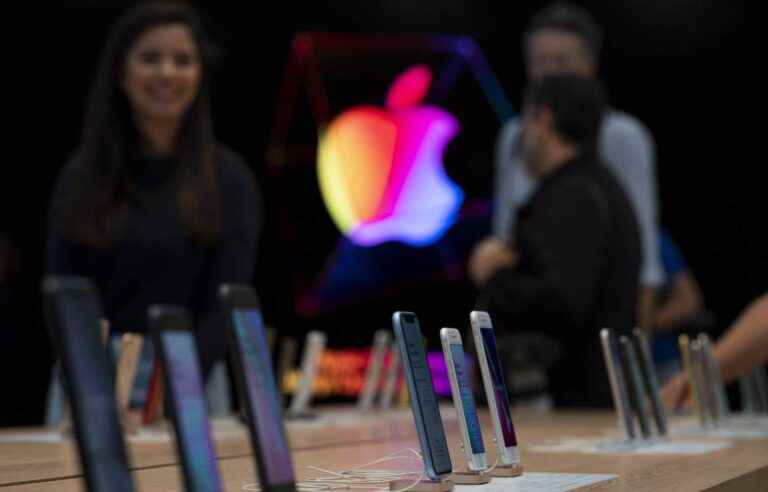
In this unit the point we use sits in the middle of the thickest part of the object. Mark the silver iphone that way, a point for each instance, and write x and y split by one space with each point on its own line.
461 390
616 379
495 387
648 371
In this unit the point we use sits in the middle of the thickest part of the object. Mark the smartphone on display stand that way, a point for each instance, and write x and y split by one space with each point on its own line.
612 355
257 388
712 369
648 372
495 386
391 379
461 390
426 413
176 350
702 382
635 387
310 363
72 313
381 342
684 343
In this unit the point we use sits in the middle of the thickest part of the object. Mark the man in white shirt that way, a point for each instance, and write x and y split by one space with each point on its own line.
561 40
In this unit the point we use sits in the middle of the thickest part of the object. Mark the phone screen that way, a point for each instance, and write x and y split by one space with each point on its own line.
425 395
261 392
499 387
99 433
189 408
467 399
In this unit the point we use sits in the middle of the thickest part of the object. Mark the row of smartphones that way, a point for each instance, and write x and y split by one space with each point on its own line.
424 405
633 383
710 402
73 311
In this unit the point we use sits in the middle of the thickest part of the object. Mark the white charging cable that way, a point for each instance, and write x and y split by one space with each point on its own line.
364 478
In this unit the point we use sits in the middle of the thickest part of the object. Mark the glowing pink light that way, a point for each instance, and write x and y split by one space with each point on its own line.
381 173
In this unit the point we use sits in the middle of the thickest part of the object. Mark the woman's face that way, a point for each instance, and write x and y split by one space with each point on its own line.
162 72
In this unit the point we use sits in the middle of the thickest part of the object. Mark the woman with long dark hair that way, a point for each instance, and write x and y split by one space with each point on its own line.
151 207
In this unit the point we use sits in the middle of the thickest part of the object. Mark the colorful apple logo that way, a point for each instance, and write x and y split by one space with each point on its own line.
381 170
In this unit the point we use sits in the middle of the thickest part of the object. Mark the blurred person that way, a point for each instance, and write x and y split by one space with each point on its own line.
565 39
151 206
679 307
742 348
680 299
573 267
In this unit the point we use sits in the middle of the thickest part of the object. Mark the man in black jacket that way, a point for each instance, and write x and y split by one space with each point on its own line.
573 266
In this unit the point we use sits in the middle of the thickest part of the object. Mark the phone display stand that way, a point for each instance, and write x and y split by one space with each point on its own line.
425 485
470 477
507 471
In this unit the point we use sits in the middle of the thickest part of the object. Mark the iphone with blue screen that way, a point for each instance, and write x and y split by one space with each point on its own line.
176 349
463 399
257 388
495 385
73 310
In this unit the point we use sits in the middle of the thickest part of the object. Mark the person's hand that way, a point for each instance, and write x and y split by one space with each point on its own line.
489 256
676 394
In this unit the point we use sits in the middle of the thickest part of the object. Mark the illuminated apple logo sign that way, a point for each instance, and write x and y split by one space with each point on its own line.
381 170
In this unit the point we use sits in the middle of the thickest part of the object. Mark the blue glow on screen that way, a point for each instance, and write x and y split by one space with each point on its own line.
263 396
467 400
499 387
190 409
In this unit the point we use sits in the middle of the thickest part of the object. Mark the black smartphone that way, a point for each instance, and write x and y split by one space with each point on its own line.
429 425
177 352
634 384
72 312
257 388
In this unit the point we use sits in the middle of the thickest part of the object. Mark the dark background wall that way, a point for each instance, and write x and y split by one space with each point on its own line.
681 66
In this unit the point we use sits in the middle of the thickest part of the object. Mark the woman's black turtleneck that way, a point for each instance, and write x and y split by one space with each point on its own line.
155 259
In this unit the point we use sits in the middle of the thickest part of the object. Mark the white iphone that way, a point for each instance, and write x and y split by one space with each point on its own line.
310 361
463 400
495 387
381 340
